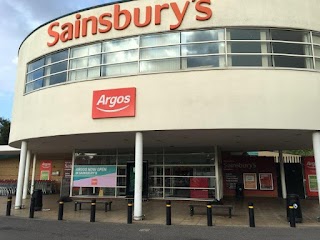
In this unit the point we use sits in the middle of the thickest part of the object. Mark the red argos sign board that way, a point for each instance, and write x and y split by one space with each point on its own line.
111 103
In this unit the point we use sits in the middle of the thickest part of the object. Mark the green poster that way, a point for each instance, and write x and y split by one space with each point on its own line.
313 183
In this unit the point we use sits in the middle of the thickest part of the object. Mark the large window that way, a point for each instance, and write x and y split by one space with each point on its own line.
175 51
179 173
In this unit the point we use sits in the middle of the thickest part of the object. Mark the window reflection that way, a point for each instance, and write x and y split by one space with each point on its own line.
175 51
201 36
160 52
204 48
159 39
122 44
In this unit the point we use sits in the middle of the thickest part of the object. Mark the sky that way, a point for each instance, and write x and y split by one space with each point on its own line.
18 19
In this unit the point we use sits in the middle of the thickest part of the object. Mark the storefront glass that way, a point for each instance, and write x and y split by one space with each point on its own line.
178 173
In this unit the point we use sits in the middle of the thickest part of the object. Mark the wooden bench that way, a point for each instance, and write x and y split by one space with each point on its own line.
105 202
192 207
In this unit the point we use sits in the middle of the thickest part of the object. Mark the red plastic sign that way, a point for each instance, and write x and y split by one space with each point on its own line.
114 103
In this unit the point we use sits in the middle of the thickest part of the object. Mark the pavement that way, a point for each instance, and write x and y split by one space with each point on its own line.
269 212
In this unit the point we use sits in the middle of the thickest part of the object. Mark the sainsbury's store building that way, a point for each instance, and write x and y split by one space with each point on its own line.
169 83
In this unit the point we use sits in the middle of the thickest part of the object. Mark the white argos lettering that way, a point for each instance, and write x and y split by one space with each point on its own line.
111 102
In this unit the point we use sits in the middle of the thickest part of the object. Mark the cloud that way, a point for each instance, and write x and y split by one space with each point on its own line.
18 19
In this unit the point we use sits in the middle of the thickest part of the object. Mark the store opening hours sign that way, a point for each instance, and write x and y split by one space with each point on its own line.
112 103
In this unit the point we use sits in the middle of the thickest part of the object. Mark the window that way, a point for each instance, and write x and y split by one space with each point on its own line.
175 51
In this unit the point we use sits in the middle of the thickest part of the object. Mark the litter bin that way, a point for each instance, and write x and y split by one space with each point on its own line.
239 190
294 200
37 194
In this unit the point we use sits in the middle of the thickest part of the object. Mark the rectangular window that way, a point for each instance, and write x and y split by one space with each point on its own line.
57 67
292 36
292 62
198 62
244 34
34 85
56 57
202 36
57 78
159 39
86 50
34 65
120 69
119 57
201 48
290 48
36 74
160 52
160 65
122 44
246 60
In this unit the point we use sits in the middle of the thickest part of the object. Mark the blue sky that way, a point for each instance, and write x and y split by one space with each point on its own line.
18 19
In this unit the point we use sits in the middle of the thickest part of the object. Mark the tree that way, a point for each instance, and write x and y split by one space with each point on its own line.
4 131
303 153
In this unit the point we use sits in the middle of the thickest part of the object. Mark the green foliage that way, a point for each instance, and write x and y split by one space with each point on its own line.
303 153
4 131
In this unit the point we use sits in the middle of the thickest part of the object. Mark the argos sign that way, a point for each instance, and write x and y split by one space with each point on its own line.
114 103
119 18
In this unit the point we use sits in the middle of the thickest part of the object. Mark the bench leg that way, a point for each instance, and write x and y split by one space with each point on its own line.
106 207
110 206
229 212
75 206
191 210
80 206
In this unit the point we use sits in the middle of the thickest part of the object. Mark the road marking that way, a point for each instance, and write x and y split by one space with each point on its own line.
144 230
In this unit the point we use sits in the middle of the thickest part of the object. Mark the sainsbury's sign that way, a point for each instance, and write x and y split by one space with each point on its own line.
114 103
120 19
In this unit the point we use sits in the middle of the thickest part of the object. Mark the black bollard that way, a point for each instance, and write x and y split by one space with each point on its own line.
251 215
93 211
60 214
31 213
129 218
209 214
168 207
292 217
9 202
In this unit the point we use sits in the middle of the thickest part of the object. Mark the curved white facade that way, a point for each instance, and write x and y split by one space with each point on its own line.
237 108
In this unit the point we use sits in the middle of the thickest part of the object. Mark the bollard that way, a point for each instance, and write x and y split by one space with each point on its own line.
93 211
168 207
209 214
129 219
60 214
251 215
9 202
31 213
292 217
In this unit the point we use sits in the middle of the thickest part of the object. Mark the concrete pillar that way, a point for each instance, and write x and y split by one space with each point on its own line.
282 176
33 173
316 150
216 167
26 176
138 177
22 163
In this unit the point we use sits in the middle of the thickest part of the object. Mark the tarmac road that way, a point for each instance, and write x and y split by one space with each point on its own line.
14 228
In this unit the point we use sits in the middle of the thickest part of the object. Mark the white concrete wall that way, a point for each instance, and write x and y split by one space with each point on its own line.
207 99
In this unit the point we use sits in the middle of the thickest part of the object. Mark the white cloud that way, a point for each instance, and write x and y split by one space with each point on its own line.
18 19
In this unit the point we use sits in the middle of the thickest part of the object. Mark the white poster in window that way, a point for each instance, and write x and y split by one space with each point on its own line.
250 181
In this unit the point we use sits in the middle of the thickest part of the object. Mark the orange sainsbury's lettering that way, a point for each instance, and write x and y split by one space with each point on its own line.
119 19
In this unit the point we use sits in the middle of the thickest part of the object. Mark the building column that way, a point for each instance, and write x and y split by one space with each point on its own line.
22 163
282 176
33 173
316 150
26 176
216 167
138 177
